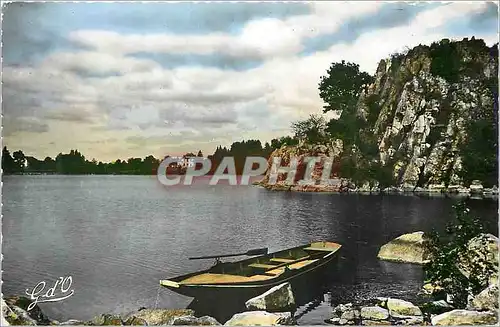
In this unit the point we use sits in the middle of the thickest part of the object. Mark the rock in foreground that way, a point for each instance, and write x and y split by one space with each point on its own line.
278 299
486 300
481 258
408 248
380 311
260 318
399 308
155 317
464 317
374 313
195 321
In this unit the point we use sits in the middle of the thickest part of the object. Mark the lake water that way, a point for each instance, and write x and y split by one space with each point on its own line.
117 236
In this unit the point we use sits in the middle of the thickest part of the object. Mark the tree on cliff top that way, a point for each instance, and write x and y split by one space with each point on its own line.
342 86
312 130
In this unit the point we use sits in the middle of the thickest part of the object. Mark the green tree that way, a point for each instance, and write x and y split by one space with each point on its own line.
312 130
341 87
19 161
8 165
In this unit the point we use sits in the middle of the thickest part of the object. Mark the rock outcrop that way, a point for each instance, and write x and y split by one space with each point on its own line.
278 299
420 111
317 181
409 248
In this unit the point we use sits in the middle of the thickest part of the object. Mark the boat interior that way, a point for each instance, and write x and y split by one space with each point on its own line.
264 267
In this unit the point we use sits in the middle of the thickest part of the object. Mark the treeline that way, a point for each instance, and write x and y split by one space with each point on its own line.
75 162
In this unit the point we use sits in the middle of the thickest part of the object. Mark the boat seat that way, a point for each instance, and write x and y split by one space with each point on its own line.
281 260
261 265
310 248
210 278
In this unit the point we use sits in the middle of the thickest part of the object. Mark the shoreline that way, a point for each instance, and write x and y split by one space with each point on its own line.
432 192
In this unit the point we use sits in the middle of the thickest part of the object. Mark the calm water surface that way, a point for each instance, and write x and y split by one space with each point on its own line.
118 235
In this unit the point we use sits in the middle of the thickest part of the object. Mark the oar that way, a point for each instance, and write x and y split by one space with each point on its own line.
253 252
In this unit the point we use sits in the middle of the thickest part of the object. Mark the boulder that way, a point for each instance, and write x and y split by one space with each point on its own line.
195 321
402 309
481 259
464 317
260 318
375 322
409 248
486 300
412 321
374 313
350 317
278 299
155 317
106 319
135 321
23 302
72 322
14 315
341 308
476 187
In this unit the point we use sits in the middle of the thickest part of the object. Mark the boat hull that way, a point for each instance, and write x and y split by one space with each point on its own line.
298 280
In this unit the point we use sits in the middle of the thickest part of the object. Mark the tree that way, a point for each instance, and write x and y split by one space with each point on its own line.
342 86
312 130
19 161
7 161
200 154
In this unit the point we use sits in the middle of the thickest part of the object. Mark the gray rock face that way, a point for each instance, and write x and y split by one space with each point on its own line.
423 116
195 321
260 318
405 248
464 317
278 299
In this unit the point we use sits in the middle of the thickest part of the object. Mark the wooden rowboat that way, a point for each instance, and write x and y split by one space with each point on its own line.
257 274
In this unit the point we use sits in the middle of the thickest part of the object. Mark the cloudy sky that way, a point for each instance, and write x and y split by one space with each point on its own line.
117 80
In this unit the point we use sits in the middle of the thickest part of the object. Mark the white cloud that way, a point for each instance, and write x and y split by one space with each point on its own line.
190 106
262 38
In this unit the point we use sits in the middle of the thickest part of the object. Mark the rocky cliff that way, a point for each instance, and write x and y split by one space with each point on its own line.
432 113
